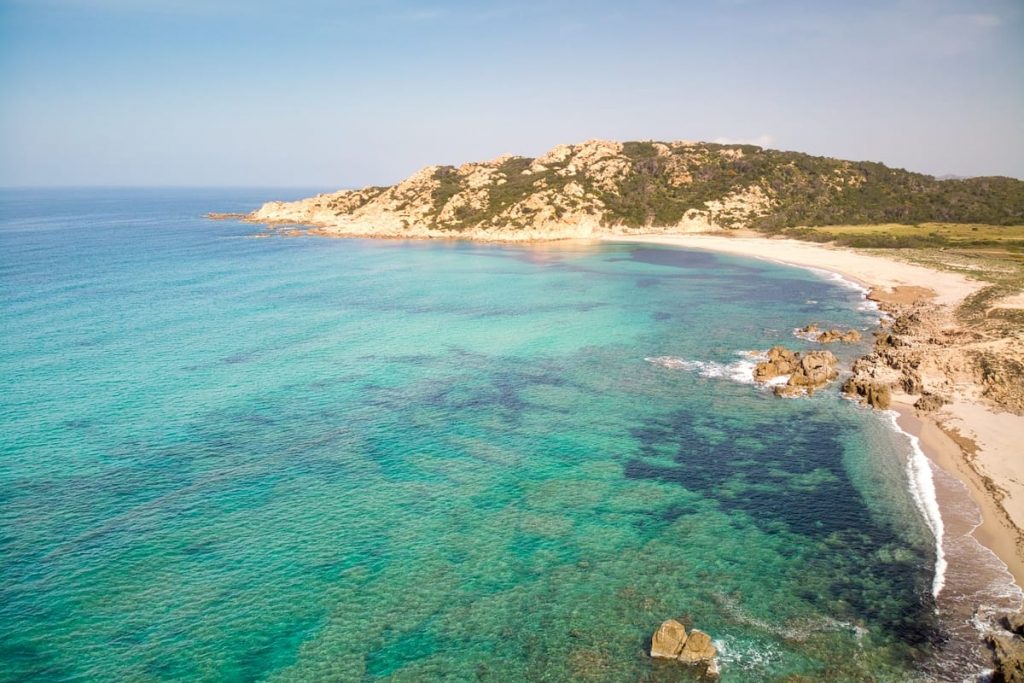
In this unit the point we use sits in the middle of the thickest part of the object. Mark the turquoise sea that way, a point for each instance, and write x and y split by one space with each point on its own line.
302 459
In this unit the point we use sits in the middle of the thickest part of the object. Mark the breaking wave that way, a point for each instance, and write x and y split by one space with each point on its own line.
922 489
740 371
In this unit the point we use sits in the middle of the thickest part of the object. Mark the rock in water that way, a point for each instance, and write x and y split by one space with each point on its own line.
1015 622
698 648
875 394
780 361
713 670
819 367
1009 658
807 372
850 337
830 336
668 640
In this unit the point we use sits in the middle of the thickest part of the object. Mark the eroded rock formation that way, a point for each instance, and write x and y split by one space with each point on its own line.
935 352
813 333
671 641
807 372
1008 650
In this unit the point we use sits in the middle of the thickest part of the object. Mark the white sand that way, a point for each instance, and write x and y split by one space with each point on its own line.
868 269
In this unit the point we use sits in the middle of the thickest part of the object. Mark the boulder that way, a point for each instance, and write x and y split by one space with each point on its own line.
713 671
1009 652
911 382
929 402
668 640
790 390
819 367
835 335
875 394
850 337
698 648
1015 622
780 361
807 372
830 336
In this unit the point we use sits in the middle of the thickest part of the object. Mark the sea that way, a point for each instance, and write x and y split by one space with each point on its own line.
232 455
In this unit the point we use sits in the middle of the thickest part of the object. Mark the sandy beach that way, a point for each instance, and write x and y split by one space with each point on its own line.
968 439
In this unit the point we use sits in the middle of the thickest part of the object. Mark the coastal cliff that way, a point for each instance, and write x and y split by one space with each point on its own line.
619 188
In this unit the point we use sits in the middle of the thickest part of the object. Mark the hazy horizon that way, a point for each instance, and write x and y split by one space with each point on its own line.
112 93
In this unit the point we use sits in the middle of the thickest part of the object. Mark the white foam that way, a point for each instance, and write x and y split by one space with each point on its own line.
746 656
869 306
922 489
740 371
800 333
841 280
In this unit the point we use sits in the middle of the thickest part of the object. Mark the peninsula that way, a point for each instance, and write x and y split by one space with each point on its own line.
603 187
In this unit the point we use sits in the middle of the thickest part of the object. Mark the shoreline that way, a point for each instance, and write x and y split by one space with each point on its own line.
996 497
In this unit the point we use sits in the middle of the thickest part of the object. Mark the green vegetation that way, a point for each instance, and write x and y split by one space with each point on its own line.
659 183
1008 238
807 190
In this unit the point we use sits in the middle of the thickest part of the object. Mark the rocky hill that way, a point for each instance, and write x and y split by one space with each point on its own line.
611 187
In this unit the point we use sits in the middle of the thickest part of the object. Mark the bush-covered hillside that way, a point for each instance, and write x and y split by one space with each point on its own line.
596 186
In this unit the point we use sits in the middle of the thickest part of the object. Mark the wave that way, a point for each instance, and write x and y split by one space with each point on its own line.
740 371
922 490
840 279
799 333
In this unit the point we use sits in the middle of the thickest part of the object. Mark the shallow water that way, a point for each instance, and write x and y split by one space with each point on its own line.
226 458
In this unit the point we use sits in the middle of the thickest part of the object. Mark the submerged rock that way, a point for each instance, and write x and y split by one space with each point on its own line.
813 333
668 640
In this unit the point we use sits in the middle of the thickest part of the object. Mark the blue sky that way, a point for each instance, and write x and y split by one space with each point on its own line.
348 93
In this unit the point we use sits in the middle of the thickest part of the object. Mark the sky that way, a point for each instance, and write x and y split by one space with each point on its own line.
348 93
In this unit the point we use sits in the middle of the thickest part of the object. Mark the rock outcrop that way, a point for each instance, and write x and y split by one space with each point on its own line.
1008 650
934 352
837 335
1015 622
813 333
807 372
668 640
671 641
698 648
874 394
1009 656
780 361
